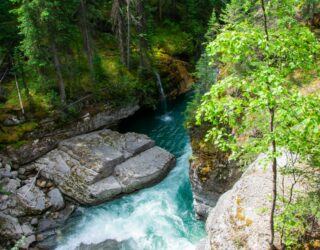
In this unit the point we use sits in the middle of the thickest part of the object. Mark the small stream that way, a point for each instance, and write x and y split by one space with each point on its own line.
156 218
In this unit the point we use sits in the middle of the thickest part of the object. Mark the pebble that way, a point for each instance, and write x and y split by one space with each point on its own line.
21 171
41 183
4 197
39 237
34 221
27 230
14 174
49 184
22 177
8 167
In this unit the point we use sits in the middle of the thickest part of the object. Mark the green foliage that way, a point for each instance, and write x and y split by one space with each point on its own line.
15 134
20 243
9 34
258 81
172 39
297 219
255 104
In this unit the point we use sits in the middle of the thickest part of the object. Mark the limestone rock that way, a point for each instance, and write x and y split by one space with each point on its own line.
45 141
237 221
56 199
32 199
10 227
99 166
32 151
13 121
145 169
46 225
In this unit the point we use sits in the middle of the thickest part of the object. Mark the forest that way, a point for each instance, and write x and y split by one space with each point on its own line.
189 111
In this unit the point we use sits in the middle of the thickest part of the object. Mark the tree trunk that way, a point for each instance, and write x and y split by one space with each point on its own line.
19 95
142 30
58 72
160 10
86 35
274 146
24 83
128 34
118 27
274 179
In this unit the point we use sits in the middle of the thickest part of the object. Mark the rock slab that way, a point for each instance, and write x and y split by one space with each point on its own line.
99 166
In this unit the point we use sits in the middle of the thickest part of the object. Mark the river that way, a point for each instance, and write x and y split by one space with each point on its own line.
156 218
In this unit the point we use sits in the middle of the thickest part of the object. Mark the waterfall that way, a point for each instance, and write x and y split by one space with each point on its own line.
163 96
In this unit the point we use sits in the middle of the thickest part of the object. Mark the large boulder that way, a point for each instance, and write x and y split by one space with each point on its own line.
240 220
99 166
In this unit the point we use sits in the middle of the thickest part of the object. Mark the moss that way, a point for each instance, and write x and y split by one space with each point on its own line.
172 40
15 134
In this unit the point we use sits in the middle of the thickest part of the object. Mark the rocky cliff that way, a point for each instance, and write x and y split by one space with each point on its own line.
211 173
241 217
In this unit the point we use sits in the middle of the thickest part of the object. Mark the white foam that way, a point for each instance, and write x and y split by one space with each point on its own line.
151 217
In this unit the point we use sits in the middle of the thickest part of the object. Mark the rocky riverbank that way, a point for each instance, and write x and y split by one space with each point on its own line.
49 132
87 169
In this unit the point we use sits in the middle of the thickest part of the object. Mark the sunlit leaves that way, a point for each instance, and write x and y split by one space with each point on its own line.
258 81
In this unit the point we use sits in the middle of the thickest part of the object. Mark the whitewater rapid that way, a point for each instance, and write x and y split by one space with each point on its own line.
156 218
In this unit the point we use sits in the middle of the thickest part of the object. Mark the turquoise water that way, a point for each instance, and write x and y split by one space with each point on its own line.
156 218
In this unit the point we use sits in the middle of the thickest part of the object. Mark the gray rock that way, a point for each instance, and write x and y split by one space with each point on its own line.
14 174
6 174
9 227
12 185
145 169
56 199
32 199
106 189
30 152
46 225
13 121
42 145
27 230
21 171
7 167
34 221
99 166
65 213
237 221
46 240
